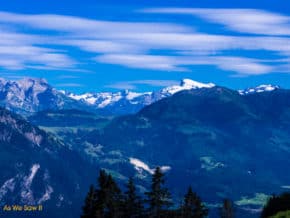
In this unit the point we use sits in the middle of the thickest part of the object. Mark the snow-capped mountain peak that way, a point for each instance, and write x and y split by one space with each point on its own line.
31 95
126 97
195 84
2 81
258 89
103 99
29 82
185 84
132 95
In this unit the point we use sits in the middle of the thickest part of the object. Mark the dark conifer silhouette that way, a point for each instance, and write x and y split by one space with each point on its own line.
159 198
107 201
192 206
89 206
133 207
108 197
276 204
227 209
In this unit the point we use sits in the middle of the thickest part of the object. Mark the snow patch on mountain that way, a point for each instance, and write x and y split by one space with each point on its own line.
103 99
46 196
109 99
26 192
132 95
60 200
7 186
34 137
186 84
258 89
38 85
140 166
33 172
165 168
209 164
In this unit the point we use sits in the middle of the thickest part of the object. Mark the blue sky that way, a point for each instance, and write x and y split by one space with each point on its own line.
143 45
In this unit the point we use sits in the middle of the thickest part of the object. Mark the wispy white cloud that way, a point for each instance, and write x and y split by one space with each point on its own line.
68 77
102 46
89 27
243 66
89 35
11 64
242 20
163 83
130 85
240 65
121 86
69 85
146 45
152 62
18 50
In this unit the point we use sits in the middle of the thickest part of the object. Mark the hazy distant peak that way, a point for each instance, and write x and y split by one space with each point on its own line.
195 84
185 84
258 89
2 80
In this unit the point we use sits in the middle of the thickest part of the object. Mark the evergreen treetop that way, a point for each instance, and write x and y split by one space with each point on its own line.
158 198
193 206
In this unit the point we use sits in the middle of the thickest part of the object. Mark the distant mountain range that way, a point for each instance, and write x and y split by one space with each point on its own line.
31 95
223 142
109 99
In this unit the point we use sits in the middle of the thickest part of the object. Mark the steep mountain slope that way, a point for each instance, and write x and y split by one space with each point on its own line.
29 95
67 118
38 169
222 143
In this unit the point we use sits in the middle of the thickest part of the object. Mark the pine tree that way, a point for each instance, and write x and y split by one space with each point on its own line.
108 197
88 208
276 204
133 204
101 197
227 210
159 198
115 199
192 206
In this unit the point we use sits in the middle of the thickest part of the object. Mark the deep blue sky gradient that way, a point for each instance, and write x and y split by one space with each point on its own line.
98 76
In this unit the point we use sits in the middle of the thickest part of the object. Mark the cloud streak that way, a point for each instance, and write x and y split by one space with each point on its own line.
240 65
69 85
147 45
130 85
241 20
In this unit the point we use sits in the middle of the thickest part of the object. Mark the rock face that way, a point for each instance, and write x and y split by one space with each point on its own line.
36 168
29 95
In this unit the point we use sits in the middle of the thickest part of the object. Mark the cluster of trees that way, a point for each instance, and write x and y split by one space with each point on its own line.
277 206
108 201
